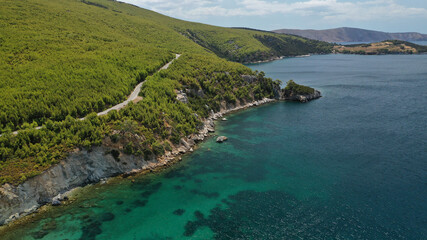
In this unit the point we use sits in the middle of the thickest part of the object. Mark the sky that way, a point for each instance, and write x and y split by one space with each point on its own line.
381 15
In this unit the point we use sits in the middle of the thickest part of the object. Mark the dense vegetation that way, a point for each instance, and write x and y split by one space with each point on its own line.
70 57
146 128
243 45
285 45
298 89
60 60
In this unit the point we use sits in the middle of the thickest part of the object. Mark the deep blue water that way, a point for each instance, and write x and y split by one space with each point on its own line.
351 165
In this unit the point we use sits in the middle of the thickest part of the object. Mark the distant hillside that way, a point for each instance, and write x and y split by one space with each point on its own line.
353 35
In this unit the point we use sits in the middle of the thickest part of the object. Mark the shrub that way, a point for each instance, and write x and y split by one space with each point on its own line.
158 148
129 148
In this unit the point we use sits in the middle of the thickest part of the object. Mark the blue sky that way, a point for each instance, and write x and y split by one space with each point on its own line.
382 15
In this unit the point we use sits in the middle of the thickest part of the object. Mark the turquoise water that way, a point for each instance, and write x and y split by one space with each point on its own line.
351 165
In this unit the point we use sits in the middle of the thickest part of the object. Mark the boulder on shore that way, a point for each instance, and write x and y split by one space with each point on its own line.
221 139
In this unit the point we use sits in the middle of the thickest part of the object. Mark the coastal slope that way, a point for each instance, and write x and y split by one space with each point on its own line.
65 61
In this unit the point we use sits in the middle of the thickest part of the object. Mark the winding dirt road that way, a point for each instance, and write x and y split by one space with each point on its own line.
132 97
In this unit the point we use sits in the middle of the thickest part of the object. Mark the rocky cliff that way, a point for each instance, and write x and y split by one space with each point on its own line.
78 169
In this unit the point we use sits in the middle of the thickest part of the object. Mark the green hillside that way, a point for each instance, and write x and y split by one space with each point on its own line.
64 59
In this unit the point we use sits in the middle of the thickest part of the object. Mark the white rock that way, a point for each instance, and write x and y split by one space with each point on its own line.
221 139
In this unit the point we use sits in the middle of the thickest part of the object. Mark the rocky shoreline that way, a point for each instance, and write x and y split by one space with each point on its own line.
84 167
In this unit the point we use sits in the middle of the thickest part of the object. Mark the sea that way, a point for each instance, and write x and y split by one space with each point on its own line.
350 165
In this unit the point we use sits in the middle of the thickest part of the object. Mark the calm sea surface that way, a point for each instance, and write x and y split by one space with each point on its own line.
351 165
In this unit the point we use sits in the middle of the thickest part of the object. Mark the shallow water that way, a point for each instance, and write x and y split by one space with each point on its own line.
351 165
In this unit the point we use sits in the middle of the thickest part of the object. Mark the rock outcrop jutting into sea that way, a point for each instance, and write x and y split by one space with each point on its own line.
300 97
296 92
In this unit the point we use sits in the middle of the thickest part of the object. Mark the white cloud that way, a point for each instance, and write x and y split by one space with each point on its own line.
331 10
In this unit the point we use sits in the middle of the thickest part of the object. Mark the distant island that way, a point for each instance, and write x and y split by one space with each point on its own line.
346 34
380 48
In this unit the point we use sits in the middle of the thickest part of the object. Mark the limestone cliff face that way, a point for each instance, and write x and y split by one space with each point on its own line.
80 168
